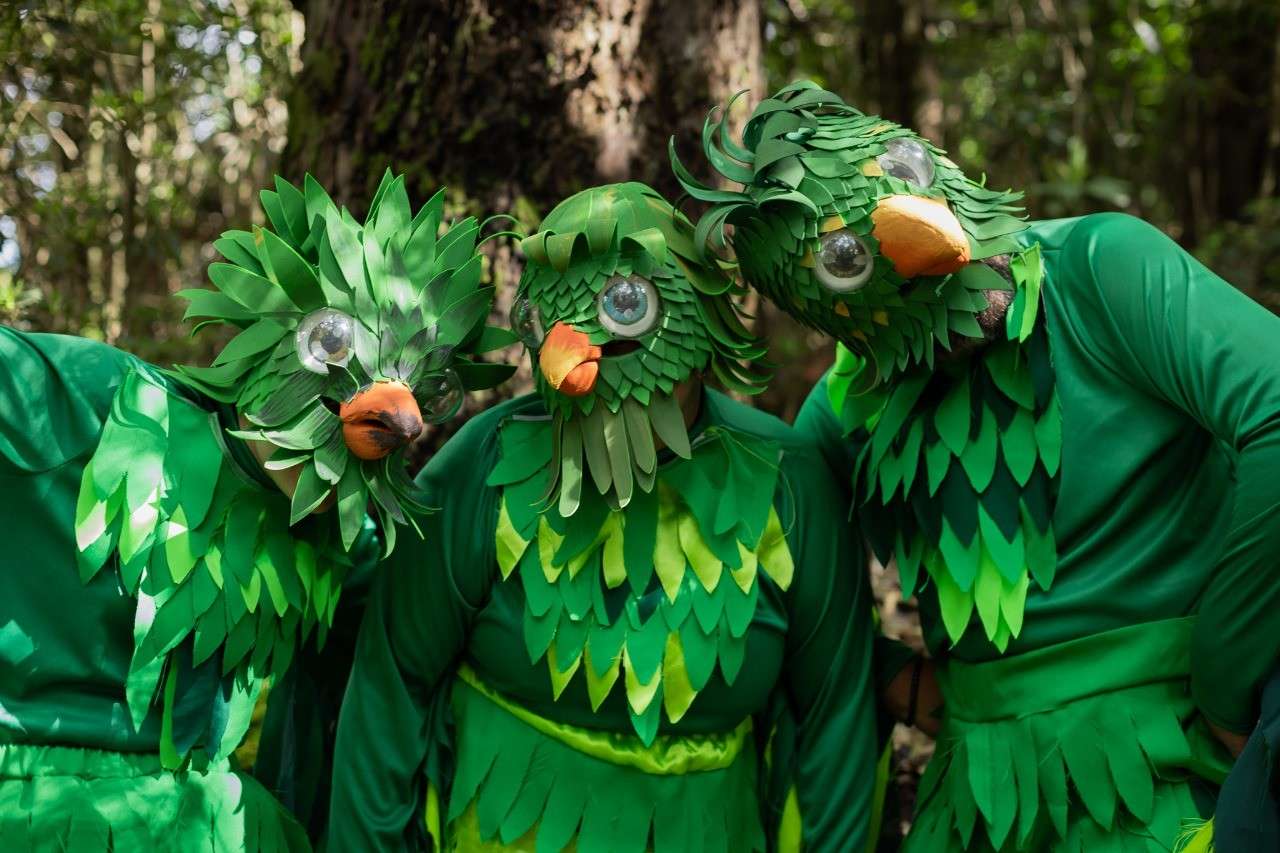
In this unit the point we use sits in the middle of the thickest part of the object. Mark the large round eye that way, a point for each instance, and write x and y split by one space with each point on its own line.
324 340
907 159
439 396
844 261
526 322
628 305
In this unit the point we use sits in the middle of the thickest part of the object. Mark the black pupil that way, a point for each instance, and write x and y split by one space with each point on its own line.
330 339
902 171
626 298
843 255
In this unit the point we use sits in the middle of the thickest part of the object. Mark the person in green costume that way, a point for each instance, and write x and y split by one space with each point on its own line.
1067 435
628 575
172 537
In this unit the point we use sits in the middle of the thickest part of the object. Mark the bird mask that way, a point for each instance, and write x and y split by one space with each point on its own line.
629 312
856 226
351 337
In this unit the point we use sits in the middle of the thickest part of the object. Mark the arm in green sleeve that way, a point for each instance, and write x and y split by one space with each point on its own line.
828 665
1197 342
55 392
818 425
415 628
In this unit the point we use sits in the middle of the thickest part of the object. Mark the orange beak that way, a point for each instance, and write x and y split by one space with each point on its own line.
921 236
380 419
568 360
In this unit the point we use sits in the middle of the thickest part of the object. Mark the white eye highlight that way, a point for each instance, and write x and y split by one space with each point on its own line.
628 305
907 159
324 340
844 263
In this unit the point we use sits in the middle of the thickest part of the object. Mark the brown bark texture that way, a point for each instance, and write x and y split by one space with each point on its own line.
514 104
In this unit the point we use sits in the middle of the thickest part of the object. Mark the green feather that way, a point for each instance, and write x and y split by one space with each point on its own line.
660 539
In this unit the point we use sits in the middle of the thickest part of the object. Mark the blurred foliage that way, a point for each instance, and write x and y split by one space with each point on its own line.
132 132
1247 253
1088 105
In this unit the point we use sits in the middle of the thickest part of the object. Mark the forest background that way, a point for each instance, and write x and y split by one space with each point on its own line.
133 132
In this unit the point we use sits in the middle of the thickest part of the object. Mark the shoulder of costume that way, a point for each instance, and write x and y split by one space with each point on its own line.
466 463
210 559
41 373
798 455
741 418
1054 234
486 438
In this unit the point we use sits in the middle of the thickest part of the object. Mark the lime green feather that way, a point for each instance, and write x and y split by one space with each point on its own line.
703 535
209 556
986 433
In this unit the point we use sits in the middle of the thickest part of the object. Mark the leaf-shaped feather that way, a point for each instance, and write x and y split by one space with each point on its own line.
296 277
252 291
261 336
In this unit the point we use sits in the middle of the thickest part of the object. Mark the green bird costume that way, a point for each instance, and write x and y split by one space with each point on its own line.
613 604
1067 435
154 576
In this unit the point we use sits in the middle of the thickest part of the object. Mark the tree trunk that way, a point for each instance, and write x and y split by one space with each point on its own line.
1233 58
891 34
513 105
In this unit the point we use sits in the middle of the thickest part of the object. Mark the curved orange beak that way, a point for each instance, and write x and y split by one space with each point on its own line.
380 419
569 361
921 236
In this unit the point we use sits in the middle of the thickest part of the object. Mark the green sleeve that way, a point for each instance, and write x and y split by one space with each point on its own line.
55 392
1180 333
415 628
818 425
828 664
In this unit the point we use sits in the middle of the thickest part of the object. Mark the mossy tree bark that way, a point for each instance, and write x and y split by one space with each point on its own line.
513 105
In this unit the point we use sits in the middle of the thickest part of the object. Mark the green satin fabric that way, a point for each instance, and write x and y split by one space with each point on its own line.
668 755
62 680
1170 480
1052 677
1091 744
57 799
65 646
440 601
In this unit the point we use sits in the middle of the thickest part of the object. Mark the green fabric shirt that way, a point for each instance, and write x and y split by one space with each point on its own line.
1169 381
65 646
441 602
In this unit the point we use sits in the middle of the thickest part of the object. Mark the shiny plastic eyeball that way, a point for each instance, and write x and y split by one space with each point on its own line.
440 396
324 340
526 322
628 305
844 262
907 159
